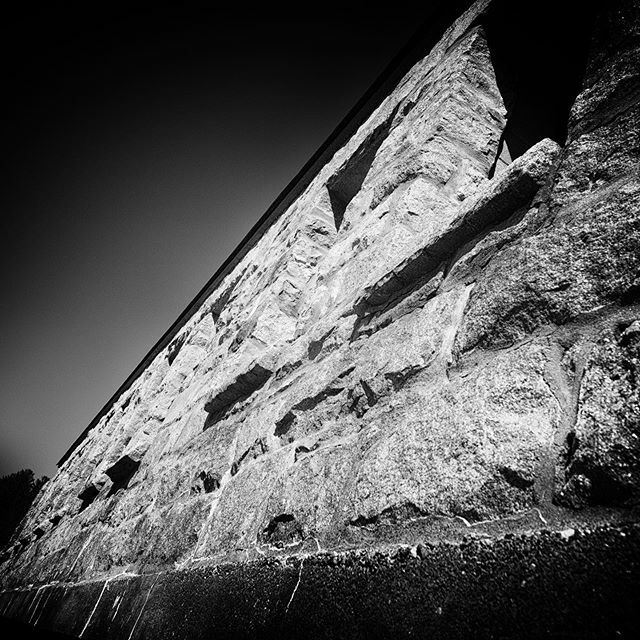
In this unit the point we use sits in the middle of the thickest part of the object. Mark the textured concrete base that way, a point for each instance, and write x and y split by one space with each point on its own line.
573 584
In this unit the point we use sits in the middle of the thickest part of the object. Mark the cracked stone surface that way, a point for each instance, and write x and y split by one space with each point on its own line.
416 349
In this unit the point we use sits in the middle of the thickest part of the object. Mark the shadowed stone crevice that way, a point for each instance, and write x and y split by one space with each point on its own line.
389 516
345 184
284 424
282 530
284 427
55 519
365 394
602 449
243 333
87 496
121 473
372 397
91 491
631 295
237 391
516 478
258 448
174 348
205 482
303 450
313 401
315 346
221 301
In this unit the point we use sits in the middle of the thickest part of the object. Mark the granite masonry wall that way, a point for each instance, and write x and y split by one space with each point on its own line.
413 405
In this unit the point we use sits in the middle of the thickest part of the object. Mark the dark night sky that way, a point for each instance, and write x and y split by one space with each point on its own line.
139 148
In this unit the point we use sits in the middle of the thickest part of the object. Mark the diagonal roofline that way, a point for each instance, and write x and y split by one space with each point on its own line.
435 22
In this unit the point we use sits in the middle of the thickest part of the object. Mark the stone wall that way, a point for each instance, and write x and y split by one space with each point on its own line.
438 341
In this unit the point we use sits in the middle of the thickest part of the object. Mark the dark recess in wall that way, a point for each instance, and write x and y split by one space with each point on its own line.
539 52
121 473
87 496
347 181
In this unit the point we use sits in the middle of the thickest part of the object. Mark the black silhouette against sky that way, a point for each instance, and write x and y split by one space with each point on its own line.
139 148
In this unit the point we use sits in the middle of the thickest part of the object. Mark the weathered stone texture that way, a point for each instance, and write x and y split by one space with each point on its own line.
413 351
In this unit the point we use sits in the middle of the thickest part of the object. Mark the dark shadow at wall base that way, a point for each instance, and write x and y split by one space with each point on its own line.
578 584
16 630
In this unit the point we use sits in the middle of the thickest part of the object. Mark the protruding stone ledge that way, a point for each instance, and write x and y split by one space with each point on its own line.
501 197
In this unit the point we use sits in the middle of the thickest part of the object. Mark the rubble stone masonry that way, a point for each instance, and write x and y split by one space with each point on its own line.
412 407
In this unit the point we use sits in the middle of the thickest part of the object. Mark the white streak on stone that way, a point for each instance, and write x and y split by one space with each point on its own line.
466 522
296 587
135 624
542 518
84 546
34 604
106 583
316 541
115 613
44 605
